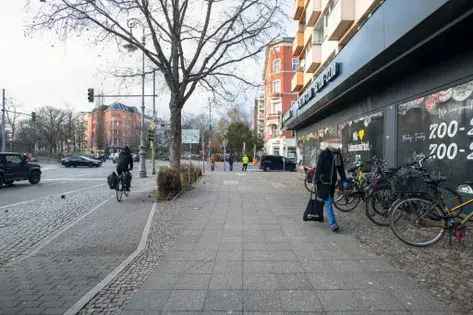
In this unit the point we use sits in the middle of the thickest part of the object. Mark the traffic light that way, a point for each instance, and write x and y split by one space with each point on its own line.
90 95
33 117
150 135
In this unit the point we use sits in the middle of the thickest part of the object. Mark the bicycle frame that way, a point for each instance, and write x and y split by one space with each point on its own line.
451 211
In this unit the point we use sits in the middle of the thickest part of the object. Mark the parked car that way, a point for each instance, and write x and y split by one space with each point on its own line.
15 167
80 160
277 163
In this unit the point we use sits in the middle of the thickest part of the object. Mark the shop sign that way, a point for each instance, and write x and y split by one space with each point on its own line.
319 84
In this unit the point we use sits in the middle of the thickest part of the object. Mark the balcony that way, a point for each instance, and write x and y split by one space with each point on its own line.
298 44
297 81
298 9
308 35
340 19
313 58
312 12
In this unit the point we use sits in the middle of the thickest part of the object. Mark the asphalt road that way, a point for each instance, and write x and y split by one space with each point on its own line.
62 237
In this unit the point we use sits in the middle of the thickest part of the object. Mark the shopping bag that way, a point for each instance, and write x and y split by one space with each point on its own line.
314 210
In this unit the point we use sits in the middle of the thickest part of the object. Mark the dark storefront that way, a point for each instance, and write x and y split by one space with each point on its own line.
403 86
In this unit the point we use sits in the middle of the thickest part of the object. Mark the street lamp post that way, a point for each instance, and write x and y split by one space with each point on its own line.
142 171
155 120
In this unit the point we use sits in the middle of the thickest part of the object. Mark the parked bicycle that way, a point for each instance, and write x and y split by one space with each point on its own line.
309 179
421 222
410 180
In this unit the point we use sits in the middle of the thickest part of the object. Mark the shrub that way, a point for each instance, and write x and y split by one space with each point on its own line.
169 183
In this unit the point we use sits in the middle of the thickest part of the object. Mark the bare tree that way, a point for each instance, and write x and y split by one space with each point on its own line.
193 42
12 119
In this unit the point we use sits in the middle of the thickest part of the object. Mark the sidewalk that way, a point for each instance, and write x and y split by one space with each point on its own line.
245 249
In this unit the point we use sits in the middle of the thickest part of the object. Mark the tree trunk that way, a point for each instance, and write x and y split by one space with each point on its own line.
175 136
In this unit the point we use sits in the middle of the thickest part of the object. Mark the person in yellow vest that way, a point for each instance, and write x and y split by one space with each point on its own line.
245 160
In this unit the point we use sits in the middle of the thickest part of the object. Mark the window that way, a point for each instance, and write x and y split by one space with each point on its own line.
276 106
318 34
277 66
295 64
13 159
277 86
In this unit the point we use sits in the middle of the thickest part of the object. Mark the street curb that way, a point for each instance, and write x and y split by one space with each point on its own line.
74 309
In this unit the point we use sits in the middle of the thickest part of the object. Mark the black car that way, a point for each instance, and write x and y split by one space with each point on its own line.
79 160
277 163
15 167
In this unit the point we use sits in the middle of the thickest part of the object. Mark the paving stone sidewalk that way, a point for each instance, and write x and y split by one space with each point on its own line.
245 249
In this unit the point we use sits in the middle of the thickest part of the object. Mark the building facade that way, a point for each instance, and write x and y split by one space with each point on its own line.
279 68
113 126
398 84
258 116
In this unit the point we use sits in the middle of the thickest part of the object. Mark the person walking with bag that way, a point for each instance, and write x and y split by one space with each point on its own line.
329 163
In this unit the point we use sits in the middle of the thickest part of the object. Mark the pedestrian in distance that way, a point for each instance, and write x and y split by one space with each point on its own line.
245 160
230 161
212 162
329 163
125 164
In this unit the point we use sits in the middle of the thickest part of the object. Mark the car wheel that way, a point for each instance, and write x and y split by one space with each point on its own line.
8 183
74 165
1 181
35 178
266 169
90 165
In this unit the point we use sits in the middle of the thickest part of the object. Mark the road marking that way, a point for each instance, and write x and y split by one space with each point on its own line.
51 238
47 196
74 309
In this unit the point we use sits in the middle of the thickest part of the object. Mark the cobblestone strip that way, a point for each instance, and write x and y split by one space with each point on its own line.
166 225
24 226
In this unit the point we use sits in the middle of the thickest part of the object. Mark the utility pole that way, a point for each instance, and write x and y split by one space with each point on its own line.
4 136
210 129
155 121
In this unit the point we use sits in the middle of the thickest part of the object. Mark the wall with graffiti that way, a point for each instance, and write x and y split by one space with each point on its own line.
359 139
440 125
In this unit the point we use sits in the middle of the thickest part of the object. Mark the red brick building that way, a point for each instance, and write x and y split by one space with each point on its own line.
279 69
112 126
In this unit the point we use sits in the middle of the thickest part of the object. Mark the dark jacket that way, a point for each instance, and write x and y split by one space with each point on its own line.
328 165
125 161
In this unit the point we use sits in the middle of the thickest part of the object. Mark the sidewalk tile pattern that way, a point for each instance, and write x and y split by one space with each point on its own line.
246 250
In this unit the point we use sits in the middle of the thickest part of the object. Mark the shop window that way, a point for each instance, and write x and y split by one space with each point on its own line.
441 125
362 138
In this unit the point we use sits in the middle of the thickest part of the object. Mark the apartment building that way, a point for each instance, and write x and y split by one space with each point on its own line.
113 126
387 78
258 116
279 68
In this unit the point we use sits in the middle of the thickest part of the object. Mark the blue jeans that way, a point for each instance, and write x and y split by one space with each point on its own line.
328 205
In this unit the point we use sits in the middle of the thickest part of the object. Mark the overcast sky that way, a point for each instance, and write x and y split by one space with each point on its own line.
42 70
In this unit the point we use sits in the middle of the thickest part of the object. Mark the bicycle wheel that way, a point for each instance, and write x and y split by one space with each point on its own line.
119 190
378 205
417 222
346 201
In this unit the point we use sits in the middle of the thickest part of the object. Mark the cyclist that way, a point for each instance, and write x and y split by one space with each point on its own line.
125 164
